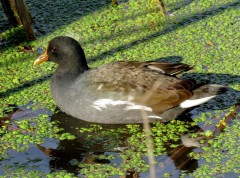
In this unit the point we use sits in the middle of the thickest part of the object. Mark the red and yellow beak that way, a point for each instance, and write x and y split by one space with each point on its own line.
42 58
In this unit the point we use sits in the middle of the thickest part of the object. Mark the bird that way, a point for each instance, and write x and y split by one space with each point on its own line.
121 92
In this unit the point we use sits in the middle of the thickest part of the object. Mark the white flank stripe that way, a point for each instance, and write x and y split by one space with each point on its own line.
191 103
155 117
105 103
156 68
138 107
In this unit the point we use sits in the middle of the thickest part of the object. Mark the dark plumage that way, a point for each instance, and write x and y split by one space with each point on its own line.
120 92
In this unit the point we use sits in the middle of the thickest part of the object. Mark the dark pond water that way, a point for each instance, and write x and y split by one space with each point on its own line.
59 155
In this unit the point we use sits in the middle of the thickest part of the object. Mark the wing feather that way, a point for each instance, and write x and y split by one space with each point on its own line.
146 85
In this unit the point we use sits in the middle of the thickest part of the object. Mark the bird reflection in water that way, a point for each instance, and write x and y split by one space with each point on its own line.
79 150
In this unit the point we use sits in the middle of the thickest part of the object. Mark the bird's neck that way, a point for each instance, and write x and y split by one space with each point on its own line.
70 71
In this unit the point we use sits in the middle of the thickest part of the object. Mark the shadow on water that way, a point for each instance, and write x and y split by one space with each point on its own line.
168 29
51 19
25 85
82 151
60 155
179 5
175 161
61 12
49 16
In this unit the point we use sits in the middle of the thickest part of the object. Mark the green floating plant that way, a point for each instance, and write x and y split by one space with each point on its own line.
18 135
21 172
222 154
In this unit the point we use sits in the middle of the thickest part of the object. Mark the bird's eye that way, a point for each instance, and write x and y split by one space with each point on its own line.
53 50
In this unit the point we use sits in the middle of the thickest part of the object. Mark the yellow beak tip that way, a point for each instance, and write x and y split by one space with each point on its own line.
35 63
42 58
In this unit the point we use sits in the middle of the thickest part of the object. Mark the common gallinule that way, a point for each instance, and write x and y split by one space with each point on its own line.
120 92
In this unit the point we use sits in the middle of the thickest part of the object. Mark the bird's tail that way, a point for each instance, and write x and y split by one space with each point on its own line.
203 94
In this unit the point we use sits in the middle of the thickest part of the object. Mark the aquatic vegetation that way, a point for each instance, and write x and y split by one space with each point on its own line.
21 172
18 135
132 152
221 156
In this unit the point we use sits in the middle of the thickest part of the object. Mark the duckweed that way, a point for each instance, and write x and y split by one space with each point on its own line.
17 135
221 156
133 154
38 174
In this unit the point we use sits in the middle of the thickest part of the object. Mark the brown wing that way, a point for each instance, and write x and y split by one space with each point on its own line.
168 68
146 83
162 67
161 99
139 73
